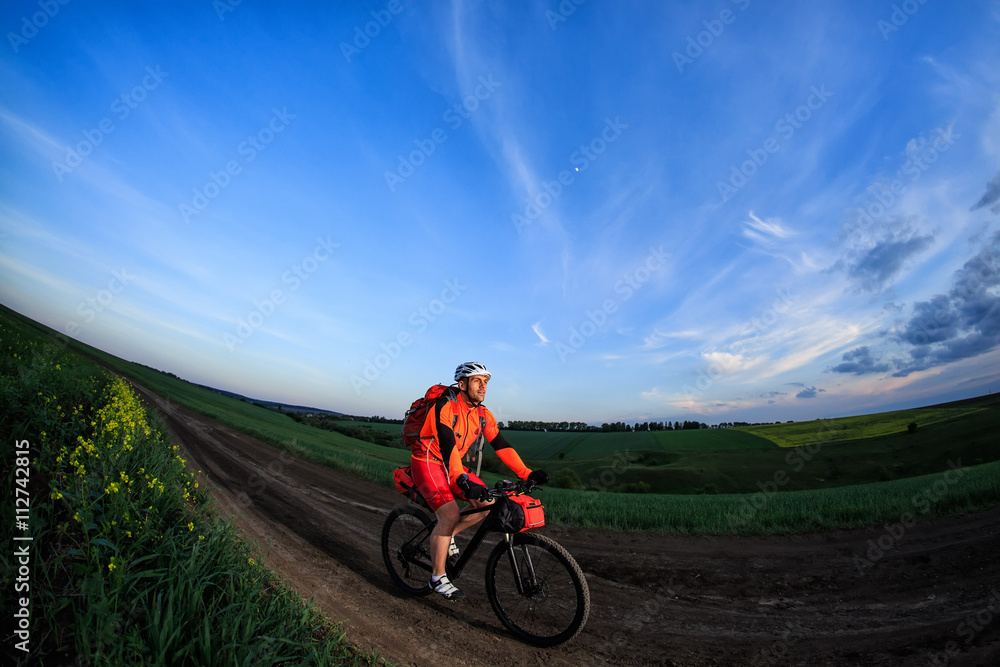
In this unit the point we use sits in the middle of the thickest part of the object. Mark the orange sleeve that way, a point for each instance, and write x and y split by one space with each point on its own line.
513 461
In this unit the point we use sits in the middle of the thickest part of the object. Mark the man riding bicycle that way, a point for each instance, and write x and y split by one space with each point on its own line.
456 424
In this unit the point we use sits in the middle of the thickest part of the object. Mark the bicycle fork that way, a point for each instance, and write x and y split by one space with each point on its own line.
527 585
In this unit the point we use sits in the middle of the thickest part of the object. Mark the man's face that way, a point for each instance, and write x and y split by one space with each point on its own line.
475 387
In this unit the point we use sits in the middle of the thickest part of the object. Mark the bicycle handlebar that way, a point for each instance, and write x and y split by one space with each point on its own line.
505 487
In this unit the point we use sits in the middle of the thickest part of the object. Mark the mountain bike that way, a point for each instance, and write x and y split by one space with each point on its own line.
534 585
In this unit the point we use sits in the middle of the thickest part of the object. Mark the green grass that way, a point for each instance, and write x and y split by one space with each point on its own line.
392 429
861 427
769 513
130 565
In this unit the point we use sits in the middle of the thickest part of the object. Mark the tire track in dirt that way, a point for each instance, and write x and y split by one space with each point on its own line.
655 599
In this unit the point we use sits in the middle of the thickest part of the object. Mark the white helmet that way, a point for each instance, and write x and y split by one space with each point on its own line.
470 368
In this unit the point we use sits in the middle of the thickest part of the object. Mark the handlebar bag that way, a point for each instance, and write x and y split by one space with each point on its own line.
519 513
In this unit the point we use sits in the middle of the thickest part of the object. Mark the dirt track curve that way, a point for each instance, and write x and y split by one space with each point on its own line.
933 598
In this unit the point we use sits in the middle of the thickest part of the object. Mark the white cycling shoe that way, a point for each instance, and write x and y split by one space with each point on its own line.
445 588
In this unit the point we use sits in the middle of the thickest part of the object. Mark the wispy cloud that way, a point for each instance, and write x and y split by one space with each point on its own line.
537 328
765 231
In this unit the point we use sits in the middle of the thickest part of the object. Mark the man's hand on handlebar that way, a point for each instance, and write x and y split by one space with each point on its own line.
538 477
470 489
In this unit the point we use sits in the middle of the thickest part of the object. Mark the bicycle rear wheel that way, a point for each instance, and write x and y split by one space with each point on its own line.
537 590
406 548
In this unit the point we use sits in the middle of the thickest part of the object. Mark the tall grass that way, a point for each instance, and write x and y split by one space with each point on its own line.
779 512
130 565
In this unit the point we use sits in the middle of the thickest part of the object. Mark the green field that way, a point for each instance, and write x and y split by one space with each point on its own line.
843 473
825 454
861 427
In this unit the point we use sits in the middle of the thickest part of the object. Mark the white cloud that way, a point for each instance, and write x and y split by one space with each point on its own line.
537 328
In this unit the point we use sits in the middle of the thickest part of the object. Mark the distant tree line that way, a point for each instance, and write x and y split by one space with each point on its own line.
515 425
359 432
616 427
373 420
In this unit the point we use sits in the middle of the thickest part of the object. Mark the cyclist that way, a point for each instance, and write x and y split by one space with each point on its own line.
456 424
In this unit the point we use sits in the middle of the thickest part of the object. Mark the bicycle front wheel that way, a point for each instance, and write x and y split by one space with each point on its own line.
537 590
406 548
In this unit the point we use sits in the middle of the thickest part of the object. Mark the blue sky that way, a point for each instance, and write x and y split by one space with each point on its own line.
729 211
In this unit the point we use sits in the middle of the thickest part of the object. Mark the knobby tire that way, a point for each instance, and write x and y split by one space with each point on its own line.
556 600
407 559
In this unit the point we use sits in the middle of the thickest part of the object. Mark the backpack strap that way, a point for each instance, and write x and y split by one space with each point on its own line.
478 455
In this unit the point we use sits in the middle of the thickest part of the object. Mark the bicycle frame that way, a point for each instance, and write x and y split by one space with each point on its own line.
455 570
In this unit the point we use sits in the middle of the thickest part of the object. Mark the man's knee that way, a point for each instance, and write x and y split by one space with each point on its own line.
447 515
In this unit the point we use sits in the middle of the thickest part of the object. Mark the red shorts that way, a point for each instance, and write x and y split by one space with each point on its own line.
432 482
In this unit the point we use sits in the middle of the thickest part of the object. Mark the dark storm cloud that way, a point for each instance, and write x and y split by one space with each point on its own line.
991 197
861 362
876 267
809 392
961 324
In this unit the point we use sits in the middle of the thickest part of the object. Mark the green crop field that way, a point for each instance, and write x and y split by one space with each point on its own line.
866 426
844 472
829 453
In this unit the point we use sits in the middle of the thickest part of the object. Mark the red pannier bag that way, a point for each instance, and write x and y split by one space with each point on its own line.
520 513
405 485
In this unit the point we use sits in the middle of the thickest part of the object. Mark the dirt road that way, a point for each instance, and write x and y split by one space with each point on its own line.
925 594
